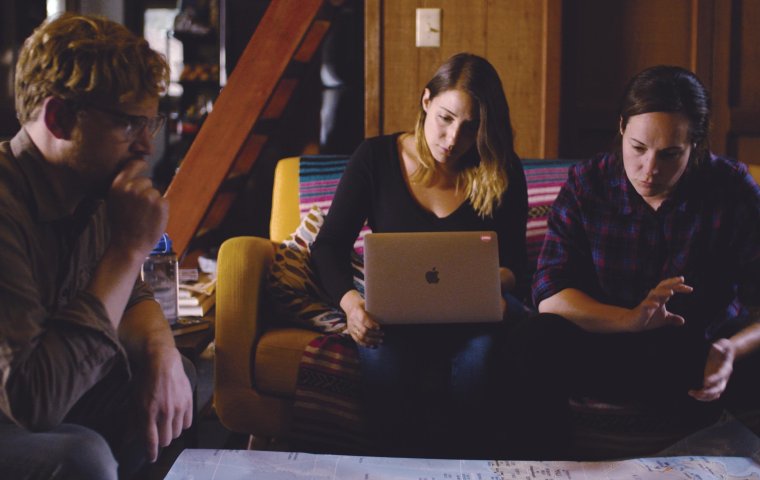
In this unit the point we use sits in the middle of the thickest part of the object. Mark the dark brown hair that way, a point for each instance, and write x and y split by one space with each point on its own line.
671 89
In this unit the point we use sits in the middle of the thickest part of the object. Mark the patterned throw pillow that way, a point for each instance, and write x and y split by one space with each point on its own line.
293 285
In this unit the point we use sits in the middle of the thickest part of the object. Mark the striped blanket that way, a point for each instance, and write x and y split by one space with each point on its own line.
544 179
328 414
318 177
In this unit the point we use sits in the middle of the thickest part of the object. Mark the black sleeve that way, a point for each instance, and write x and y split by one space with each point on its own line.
510 219
331 252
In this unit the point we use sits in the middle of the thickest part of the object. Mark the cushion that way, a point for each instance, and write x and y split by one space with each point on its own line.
278 358
328 413
293 285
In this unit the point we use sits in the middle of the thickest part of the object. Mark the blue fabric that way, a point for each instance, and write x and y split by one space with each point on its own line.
423 383
428 387
65 452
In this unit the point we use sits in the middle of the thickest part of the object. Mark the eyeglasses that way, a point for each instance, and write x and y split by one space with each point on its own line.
133 125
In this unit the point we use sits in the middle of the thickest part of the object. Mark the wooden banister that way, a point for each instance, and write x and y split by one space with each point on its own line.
226 144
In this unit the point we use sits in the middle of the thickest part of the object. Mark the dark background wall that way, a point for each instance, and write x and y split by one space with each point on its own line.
17 20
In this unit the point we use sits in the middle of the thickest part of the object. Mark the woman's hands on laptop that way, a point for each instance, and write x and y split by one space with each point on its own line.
507 279
359 325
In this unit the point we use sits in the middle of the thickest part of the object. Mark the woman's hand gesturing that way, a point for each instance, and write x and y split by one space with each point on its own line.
652 312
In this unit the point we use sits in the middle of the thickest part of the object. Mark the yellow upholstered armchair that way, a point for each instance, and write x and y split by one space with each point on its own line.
256 365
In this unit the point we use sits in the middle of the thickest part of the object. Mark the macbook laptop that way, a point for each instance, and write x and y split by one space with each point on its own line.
432 277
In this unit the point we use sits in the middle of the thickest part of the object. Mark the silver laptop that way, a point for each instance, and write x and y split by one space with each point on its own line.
435 277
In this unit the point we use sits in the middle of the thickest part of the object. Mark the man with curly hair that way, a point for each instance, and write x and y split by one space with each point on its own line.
91 383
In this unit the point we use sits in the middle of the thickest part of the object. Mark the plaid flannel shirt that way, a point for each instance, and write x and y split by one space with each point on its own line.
604 240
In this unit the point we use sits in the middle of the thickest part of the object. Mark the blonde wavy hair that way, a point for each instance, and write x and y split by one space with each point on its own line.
483 175
84 59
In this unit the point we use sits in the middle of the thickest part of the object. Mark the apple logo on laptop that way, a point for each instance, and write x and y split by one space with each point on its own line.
432 276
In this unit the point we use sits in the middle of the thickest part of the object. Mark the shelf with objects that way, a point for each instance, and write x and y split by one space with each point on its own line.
198 29
194 332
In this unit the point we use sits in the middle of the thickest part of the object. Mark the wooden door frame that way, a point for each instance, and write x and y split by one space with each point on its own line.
373 67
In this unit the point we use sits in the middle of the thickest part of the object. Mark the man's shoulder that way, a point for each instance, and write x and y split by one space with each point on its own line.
12 184
6 164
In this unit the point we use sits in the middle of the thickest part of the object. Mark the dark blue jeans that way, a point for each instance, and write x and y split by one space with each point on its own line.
552 359
67 451
99 438
430 390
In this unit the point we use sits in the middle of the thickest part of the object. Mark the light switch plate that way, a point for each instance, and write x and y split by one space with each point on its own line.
428 27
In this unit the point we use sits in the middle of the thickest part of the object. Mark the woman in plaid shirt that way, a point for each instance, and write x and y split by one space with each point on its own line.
640 279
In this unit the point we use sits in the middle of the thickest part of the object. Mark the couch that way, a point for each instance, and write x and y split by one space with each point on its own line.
258 356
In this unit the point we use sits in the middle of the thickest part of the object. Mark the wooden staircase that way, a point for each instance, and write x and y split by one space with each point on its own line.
245 114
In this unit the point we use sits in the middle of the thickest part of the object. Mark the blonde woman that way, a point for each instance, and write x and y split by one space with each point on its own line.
456 171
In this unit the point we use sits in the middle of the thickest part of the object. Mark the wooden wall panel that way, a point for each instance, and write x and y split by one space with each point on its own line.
721 76
519 67
512 34
745 103
401 67
407 68
564 64
606 43
551 78
736 90
373 67
748 71
748 149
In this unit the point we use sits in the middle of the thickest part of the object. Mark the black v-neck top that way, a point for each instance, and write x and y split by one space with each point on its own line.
373 189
